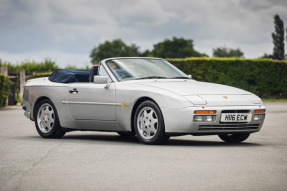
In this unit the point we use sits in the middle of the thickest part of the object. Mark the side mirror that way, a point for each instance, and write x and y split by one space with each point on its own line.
100 79
189 76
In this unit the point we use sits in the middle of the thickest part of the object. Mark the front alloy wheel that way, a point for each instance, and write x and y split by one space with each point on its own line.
149 124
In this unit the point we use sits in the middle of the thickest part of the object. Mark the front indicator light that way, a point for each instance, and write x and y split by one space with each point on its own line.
259 110
205 112
258 117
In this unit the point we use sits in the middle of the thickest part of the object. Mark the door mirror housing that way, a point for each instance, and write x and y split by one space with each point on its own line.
189 76
100 79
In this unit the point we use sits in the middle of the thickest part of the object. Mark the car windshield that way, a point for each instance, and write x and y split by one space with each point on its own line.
144 68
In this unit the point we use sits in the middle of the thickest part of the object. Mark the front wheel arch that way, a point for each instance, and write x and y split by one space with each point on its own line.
149 123
136 105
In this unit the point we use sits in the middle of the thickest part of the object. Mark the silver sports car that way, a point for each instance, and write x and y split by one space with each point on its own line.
146 97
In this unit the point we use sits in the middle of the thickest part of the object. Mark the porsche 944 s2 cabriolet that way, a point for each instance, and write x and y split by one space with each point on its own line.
146 97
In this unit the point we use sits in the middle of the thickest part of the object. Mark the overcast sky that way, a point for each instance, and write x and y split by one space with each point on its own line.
67 30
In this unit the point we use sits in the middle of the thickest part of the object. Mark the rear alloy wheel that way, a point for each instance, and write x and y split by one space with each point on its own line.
149 124
234 138
47 121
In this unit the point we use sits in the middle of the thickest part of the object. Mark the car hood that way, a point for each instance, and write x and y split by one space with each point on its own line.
203 93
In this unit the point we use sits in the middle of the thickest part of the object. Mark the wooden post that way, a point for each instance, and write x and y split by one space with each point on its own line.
4 70
22 83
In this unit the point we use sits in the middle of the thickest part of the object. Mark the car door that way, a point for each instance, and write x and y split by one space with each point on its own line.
90 101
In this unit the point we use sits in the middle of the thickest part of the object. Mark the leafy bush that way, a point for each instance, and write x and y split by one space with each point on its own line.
264 77
31 66
4 89
78 68
39 75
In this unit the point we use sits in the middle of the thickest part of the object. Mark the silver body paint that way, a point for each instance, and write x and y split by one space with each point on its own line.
102 108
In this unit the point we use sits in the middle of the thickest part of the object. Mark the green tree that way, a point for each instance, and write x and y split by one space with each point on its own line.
278 38
227 52
146 53
175 48
135 49
115 48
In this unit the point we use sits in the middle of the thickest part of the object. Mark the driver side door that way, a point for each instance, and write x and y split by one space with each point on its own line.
90 101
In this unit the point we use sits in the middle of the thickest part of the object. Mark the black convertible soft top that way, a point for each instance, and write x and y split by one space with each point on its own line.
69 75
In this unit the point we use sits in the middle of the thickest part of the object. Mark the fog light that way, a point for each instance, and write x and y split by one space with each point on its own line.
258 117
204 118
208 118
198 118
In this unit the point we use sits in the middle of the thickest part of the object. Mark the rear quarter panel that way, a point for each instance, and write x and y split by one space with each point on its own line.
41 88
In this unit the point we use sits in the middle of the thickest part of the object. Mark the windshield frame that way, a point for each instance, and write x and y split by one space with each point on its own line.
171 67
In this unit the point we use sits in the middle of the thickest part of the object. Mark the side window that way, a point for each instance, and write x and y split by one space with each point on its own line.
103 72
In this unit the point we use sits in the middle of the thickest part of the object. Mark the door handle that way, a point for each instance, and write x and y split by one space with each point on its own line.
74 91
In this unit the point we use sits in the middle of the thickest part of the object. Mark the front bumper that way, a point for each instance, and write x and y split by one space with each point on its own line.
181 121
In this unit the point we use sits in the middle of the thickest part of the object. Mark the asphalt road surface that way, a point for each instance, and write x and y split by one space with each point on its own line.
106 161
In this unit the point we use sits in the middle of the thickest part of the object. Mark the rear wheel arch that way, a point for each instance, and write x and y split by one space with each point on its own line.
37 103
47 120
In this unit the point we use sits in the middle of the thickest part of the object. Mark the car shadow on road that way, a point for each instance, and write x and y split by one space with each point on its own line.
103 138
132 140
182 142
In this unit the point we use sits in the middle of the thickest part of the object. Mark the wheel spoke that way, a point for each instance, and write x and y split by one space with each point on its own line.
50 112
142 122
148 131
50 123
151 114
153 129
44 124
153 121
145 114
42 115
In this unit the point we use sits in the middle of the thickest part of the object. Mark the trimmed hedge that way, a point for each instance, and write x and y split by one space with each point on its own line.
31 66
43 74
4 89
264 77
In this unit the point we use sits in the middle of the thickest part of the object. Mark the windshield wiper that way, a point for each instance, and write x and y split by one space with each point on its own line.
151 77
180 77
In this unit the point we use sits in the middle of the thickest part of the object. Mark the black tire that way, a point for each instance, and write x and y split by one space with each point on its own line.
234 138
149 124
126 134
47 120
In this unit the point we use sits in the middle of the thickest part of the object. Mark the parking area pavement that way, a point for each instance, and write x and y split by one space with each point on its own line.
106 161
